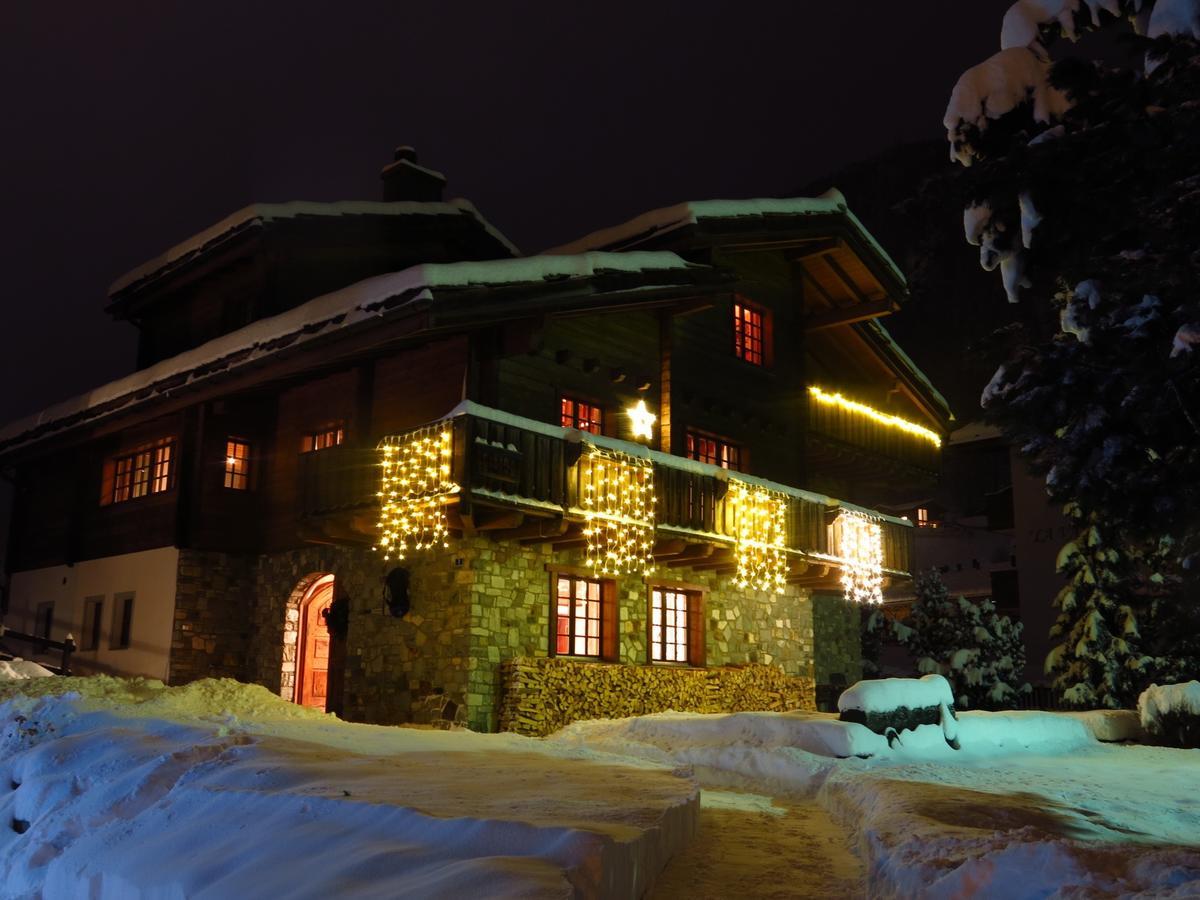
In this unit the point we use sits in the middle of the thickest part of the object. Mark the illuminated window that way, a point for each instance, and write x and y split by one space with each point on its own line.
669 625
923 520
577 616
150 469
237 465
750 340
715 451
330 436
584 416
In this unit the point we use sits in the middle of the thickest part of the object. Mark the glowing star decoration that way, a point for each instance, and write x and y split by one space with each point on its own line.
415 484
618 503
858 541
760 527
882 418
641 421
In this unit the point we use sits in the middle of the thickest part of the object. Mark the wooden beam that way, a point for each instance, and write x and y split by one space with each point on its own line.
816 248
846 279
848 314
694 554
499 520
669 547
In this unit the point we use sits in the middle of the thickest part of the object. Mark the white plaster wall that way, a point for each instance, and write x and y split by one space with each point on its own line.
149 575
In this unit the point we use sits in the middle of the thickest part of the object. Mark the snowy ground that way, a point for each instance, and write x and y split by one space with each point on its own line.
218 790
126 789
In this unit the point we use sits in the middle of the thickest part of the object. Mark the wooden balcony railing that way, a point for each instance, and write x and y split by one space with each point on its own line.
842 428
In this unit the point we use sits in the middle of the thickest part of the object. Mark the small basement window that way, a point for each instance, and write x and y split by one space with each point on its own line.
93 608
585 416
330 435
237 464
44 620
122 626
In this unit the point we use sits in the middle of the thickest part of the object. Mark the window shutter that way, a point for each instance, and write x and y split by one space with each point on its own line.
609 622
696 619
108 482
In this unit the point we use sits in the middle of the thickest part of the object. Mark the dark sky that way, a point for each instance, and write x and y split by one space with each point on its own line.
128 126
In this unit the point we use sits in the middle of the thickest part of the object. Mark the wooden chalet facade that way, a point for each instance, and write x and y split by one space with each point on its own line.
218 512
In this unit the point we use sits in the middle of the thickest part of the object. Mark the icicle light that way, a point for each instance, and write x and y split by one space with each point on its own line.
760 526
618 504
859 543
885 419
416 481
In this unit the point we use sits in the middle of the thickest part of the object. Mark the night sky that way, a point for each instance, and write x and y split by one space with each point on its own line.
129 126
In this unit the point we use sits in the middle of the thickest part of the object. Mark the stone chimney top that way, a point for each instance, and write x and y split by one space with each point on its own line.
403 179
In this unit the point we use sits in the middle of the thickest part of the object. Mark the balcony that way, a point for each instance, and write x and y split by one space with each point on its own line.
856 441
520 479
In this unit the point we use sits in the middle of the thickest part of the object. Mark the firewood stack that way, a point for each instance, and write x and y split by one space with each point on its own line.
542 695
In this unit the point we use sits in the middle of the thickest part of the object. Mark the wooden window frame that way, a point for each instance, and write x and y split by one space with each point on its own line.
591 424
609 627
44 610
93 622
328 436
237 467
147 469
697 597
121 636
755 348
727 454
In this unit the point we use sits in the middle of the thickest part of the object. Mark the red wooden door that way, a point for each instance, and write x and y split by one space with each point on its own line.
313 675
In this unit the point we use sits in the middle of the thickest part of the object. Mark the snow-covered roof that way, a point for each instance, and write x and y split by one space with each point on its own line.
975 431
321 316
257 214
671 218
877 328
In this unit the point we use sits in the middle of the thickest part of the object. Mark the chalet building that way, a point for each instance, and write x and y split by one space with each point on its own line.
378 461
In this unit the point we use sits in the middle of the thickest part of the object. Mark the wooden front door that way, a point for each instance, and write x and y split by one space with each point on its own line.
312 673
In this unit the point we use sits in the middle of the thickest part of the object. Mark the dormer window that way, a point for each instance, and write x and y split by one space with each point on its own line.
580 414
328 436
751 338
149 469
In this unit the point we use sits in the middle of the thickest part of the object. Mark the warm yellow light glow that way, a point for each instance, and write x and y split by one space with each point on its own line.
618 503
875 415
858 541
760 526
416 482
642 421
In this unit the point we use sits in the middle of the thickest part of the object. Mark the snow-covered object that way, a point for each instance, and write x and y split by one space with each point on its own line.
976 219
1025 17
996 87
1050 134
1030 218
19 669
1160 699
997 388
1012 274
883 695
1085 293
1186 337
1180 18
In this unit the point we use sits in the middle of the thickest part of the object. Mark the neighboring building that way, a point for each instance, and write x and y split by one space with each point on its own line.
990 532
531 434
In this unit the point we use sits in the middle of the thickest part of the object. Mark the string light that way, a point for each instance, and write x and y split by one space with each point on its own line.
760 526
875 415
859 542
415 483
618 504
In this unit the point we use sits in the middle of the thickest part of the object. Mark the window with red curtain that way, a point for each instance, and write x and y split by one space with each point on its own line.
749 333
714 450
582 415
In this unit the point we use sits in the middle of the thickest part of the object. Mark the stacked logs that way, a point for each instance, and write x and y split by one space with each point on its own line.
542 695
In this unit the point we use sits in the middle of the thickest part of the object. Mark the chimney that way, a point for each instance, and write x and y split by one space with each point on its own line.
403 179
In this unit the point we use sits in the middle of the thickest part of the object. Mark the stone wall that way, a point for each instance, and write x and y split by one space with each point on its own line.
214 600
510 617
543 695
838 639
396 668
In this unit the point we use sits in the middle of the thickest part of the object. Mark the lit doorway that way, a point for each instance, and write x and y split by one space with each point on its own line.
312 645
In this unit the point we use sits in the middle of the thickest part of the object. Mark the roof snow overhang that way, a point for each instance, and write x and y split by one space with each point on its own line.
250 221
421 300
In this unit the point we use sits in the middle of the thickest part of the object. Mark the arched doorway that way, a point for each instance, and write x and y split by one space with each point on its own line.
312 645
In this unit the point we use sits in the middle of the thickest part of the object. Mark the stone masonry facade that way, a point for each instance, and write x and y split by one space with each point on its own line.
474 605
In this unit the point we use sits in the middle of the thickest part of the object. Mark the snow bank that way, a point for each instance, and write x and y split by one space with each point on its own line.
1175 17
19 669
1186 337
1025 18
886 694
219 789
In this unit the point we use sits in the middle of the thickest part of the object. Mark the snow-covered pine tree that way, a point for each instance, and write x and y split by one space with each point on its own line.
977 650
1084 189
